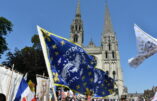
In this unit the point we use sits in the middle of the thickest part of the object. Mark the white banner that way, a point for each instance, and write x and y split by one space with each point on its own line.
146 44
42 89
9 82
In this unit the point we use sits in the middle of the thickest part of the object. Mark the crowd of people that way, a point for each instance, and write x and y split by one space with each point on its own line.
68 95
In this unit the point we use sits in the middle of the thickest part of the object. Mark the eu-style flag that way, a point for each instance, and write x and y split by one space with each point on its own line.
103 84
59 81
72 65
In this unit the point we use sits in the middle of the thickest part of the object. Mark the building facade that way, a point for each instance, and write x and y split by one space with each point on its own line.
107 54
149 93
135 97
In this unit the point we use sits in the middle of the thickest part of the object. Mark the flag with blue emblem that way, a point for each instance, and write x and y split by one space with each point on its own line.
71 66
103 84
57 78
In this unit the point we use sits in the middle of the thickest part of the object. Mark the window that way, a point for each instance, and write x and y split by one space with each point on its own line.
75 38
79 27
114 75
106 54
109 46
76 27
113 54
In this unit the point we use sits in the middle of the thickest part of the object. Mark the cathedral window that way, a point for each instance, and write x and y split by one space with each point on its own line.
79 28
106 54
109 46
114 75
113 54
76 27
75 38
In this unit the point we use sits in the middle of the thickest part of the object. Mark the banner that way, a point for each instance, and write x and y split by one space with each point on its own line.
71 66
146 44
9 79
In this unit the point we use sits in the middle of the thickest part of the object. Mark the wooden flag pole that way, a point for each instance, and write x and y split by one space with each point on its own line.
45 53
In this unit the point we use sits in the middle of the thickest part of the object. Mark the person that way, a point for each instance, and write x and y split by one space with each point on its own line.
89 96
2 97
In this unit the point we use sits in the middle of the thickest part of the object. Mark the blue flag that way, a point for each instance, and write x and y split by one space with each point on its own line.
103 84
23 86
24 92
71 65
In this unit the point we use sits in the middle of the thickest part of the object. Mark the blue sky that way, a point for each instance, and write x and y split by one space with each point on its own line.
57 15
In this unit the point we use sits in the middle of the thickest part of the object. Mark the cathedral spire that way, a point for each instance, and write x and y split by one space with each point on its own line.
108 25
78 11
77 33
91 42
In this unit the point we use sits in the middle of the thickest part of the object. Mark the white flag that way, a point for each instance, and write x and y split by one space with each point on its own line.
146 44
155 97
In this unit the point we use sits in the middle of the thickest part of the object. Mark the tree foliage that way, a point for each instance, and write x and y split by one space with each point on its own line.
36 42
5 28
28 59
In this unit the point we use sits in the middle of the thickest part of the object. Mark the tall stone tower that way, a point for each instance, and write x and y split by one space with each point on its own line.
77 27
110 53
107 54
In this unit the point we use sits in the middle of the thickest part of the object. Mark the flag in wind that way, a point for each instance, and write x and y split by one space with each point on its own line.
146 44
70 64
103 85
24 93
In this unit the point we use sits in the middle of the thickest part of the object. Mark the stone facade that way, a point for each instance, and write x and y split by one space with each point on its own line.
107 54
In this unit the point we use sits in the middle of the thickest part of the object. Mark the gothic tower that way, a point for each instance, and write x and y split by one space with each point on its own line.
107 55
110 53
76 34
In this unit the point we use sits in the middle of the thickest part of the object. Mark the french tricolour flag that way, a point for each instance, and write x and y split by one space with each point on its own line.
24 93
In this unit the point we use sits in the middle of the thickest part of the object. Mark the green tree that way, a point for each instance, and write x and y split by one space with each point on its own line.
36 42
5 28
28 59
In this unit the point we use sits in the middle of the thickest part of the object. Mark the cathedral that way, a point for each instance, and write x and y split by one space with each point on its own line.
107 54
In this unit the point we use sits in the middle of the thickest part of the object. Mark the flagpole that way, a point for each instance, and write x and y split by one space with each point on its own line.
12 68
45 53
